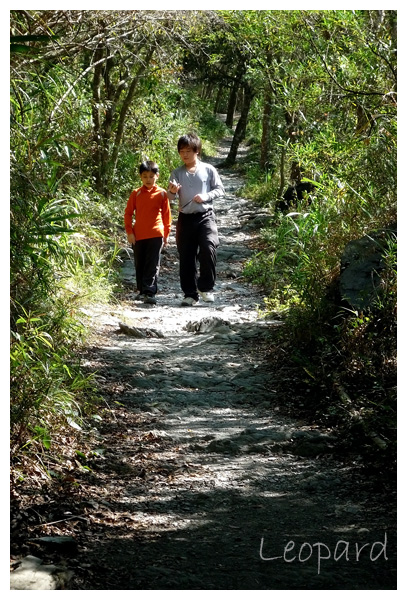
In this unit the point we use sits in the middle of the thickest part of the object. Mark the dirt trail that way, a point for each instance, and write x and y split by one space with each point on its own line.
199 480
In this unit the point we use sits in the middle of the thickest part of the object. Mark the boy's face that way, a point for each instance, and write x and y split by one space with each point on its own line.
188 156
149 178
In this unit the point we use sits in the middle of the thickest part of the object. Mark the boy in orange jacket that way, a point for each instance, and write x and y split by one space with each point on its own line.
149 233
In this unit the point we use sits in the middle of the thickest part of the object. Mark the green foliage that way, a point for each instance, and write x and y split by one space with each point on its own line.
54 274
153 129
345 143
338 123
260 186
59 262
151 134
45 380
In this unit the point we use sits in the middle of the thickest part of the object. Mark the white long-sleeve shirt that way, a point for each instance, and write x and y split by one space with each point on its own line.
205 181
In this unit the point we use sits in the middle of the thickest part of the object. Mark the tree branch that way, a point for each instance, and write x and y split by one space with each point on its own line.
336 82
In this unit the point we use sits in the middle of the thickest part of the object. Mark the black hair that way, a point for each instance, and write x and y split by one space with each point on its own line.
149 165
190 140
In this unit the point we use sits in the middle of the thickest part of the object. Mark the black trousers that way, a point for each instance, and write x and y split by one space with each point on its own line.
197 241
147 254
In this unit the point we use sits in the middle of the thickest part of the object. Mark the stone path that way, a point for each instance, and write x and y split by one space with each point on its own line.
200 481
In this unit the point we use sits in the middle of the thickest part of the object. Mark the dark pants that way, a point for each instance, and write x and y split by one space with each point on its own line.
147 254
197 241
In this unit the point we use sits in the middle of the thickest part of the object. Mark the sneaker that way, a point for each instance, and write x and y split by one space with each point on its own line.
207 296
150 299
188 301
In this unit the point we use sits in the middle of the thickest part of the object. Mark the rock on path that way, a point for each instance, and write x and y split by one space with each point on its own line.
229 482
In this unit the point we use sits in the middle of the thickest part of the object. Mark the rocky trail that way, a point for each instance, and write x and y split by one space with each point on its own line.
199 480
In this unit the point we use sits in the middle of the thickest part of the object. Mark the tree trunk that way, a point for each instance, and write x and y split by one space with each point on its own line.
265 138
207 91
107 125
231 104
233 96
97 131
125 107
216 108
282 177
240 127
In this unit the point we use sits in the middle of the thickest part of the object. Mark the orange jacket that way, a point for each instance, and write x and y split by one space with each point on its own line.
152 213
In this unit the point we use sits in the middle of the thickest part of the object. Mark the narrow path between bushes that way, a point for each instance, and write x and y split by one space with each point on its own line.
198 478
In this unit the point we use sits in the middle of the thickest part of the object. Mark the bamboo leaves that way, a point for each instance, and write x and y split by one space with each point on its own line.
20 44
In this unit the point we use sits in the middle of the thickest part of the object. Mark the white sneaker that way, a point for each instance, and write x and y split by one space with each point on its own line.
207 296
188 301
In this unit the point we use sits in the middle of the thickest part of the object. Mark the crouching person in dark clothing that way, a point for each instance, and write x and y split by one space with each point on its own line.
294 193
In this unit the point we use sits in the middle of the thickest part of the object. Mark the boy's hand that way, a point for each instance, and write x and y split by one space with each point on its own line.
173 187
131 238
198 198
166 241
